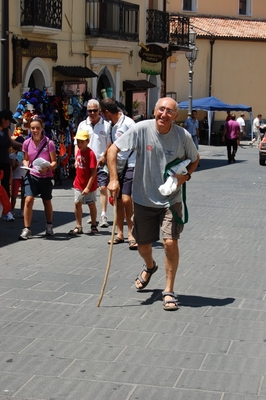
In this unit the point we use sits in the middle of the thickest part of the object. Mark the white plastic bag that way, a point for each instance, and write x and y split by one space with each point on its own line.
171 182
40 163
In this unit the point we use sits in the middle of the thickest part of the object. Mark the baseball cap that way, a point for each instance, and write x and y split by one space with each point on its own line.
7 114
82 135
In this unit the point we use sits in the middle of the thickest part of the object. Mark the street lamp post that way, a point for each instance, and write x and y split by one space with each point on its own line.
191 56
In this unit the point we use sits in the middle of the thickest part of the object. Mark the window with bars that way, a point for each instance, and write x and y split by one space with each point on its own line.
112 19
44 13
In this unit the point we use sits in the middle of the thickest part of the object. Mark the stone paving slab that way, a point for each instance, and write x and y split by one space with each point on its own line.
220 381
56 344
42 388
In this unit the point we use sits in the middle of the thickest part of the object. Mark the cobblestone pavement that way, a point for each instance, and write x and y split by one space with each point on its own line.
55 343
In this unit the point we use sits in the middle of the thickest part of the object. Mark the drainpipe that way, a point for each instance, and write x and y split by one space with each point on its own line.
211 59
164 62
5 101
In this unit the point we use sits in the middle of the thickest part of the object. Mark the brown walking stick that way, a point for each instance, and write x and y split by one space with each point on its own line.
110 255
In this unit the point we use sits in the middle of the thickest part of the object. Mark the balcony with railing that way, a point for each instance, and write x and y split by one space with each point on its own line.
112 19
179 32
41 16
162 27
157 26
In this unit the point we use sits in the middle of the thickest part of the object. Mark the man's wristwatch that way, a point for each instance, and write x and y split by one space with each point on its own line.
189 176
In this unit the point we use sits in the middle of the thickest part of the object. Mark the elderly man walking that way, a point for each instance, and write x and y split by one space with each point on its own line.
157 142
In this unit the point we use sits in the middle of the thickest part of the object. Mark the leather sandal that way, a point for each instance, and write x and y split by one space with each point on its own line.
132 244
174 301
117 240
151 271
76 231
94 229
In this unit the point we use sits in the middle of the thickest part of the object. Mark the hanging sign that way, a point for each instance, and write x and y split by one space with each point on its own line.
152 53
152 56
151 68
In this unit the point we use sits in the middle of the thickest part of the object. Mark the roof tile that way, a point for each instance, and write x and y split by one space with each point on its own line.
229 28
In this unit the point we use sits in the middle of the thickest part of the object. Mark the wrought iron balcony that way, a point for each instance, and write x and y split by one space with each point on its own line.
41 13
157 27
112 19
179 32
163 27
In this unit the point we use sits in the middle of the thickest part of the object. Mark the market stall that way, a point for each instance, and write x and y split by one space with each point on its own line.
61 116
211 104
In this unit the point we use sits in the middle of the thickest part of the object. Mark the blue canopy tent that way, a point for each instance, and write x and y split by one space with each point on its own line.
211 104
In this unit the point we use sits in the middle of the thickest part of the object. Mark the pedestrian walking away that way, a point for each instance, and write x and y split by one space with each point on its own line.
157 143
231 137
242 124
256 127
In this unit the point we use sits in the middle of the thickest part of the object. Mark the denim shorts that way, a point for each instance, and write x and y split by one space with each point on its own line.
38 186
102 177
126 182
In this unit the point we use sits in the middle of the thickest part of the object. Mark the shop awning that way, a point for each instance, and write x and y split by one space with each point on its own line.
140 84
75 72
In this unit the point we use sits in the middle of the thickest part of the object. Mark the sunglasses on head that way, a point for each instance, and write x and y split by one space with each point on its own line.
36 118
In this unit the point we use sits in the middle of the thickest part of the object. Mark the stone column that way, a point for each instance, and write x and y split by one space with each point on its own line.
117 82
95 68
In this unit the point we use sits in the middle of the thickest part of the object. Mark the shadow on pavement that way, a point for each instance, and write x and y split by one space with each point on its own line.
186 300
156 295
215 163
199 301
10 231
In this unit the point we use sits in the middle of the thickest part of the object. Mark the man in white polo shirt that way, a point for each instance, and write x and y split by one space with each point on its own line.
99 131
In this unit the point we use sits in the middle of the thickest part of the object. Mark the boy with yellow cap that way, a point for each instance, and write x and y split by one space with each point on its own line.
85 182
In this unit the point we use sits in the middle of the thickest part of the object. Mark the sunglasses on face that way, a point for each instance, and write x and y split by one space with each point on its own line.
93 110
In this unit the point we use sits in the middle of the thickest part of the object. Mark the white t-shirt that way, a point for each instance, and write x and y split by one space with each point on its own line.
153 152
99 135
241 122
17 173
256 123
122 125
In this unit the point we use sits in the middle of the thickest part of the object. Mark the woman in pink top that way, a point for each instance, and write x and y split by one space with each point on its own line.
38 182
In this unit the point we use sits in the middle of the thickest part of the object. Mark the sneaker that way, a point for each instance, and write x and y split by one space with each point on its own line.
25 234
103 222
49 230
8 217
